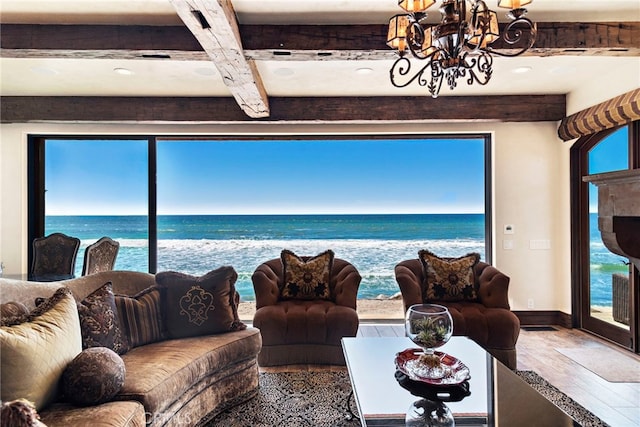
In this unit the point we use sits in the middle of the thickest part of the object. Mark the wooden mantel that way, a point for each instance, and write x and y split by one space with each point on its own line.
619 211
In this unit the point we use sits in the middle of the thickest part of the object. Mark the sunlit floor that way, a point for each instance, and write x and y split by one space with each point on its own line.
606 315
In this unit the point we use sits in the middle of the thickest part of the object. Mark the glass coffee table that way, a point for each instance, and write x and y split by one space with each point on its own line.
498 397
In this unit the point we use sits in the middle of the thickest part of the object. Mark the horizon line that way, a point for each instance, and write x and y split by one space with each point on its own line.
275 214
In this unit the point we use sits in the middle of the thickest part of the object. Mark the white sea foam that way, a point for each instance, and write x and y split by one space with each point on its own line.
374 259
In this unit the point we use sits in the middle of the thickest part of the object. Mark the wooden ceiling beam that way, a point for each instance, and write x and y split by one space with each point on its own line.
213 23
184 110
288 42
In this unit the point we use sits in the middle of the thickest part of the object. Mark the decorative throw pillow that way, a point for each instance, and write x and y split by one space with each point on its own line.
19 413
12 313
99 321
35 353
140 316
94 376
200 305
308 278
449 279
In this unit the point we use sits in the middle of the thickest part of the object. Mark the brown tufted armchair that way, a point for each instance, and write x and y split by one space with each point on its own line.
304 331
488 321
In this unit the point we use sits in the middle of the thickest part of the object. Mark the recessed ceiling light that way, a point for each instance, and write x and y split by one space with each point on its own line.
123 71
44 71
521 70
283 71
364 70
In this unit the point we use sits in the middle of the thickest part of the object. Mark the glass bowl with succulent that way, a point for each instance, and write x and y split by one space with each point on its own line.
429 326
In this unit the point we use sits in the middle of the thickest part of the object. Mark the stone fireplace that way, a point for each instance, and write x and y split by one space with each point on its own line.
619 211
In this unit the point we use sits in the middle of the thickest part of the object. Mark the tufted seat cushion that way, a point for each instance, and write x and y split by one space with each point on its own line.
479 323
305 322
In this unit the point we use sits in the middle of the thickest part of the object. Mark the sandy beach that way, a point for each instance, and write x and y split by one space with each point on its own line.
368 309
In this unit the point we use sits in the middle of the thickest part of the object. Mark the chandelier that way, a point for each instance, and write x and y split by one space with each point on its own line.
459 46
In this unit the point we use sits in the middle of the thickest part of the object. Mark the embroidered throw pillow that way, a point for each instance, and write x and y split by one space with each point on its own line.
140 316
93 377
306 278
449 279
99 321
200 305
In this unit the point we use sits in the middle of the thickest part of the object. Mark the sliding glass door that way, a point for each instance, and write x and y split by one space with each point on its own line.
195 204
374 202
605 280
95 188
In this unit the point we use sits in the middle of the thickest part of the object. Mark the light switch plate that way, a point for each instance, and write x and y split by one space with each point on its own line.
540 244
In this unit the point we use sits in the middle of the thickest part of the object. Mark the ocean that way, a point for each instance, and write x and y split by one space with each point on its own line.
374 244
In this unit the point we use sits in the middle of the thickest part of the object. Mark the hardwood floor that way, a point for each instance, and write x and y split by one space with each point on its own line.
616 403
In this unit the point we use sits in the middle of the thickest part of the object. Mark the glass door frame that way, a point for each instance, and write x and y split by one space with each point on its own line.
580 244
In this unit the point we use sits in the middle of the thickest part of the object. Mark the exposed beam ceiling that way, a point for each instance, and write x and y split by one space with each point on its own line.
213 23
283 42
233 49
530 108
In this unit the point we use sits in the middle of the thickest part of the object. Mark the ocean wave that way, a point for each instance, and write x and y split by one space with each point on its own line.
375 259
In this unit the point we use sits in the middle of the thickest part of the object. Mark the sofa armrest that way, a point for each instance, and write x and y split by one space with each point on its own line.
265 285
409 277
347 281
493 289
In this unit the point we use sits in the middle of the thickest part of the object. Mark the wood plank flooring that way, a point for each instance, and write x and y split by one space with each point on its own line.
617 404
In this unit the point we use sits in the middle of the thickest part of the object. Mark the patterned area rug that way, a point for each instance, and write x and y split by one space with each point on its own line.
288 399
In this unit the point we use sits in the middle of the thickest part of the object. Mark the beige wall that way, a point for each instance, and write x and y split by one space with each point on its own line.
530 187
621 79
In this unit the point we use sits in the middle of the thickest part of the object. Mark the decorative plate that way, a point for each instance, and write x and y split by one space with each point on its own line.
456 372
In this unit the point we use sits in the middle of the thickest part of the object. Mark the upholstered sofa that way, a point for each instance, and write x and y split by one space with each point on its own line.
484 317
168 381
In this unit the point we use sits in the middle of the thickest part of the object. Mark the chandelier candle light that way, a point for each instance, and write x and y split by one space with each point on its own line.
460 46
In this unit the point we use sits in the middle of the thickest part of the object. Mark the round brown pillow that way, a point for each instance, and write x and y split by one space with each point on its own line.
94 376
13 313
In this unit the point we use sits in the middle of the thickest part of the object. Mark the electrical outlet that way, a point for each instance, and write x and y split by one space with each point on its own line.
530 303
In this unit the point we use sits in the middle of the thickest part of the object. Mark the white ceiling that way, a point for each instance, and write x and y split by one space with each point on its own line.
83 77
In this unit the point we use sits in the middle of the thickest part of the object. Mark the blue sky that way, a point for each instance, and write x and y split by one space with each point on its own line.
279 177
611 154
268 177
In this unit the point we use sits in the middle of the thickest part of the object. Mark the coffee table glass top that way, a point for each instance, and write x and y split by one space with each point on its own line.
498 396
